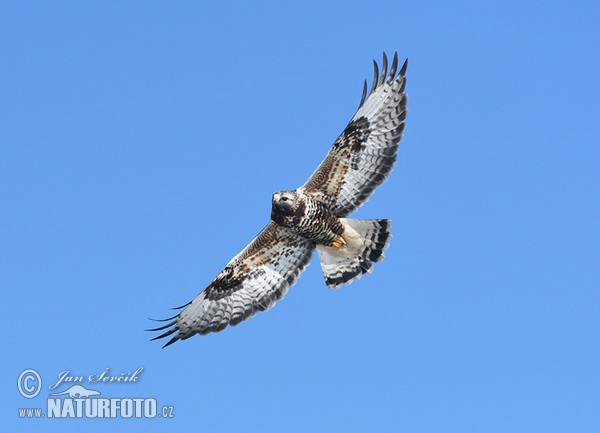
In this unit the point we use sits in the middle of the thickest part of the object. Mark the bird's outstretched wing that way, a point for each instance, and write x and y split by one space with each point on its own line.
252 281
363 155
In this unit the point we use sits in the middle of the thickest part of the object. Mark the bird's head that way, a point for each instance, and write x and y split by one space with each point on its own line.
284 206
284 198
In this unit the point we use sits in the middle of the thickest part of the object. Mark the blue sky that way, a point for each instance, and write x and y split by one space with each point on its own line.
140 146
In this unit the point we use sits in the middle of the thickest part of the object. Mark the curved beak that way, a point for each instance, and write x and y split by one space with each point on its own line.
276 197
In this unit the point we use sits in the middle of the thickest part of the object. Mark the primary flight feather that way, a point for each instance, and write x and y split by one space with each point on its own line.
312 216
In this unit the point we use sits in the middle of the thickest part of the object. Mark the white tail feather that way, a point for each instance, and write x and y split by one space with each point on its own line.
365 242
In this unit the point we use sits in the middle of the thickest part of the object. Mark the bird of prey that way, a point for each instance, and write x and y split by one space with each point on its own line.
313 216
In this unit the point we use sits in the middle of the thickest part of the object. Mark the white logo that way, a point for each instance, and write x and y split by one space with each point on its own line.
78 391
77 401
26 389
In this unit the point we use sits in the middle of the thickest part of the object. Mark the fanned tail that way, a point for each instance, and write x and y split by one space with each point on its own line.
365 242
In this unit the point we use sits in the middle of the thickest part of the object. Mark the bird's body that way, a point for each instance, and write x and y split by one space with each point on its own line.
306 216
314 216
354 244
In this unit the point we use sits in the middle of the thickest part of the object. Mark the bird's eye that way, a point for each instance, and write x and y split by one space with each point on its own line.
284 198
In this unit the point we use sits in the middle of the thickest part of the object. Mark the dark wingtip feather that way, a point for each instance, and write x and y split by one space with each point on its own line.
364 94
171 341
384 66
394 68
385 76
166 334
375 76
403 69
164 320
171 327
160 328
182 306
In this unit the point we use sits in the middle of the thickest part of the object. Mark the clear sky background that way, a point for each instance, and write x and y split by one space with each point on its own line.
140 145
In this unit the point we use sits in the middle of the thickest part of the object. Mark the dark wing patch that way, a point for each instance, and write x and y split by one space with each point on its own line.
252 281
363 155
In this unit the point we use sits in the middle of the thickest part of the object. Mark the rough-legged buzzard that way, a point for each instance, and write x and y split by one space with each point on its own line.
312 216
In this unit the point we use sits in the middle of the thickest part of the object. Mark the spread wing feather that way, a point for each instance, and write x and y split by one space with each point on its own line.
363 155
252 281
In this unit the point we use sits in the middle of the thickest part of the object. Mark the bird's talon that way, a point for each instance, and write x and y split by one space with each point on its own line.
340 242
